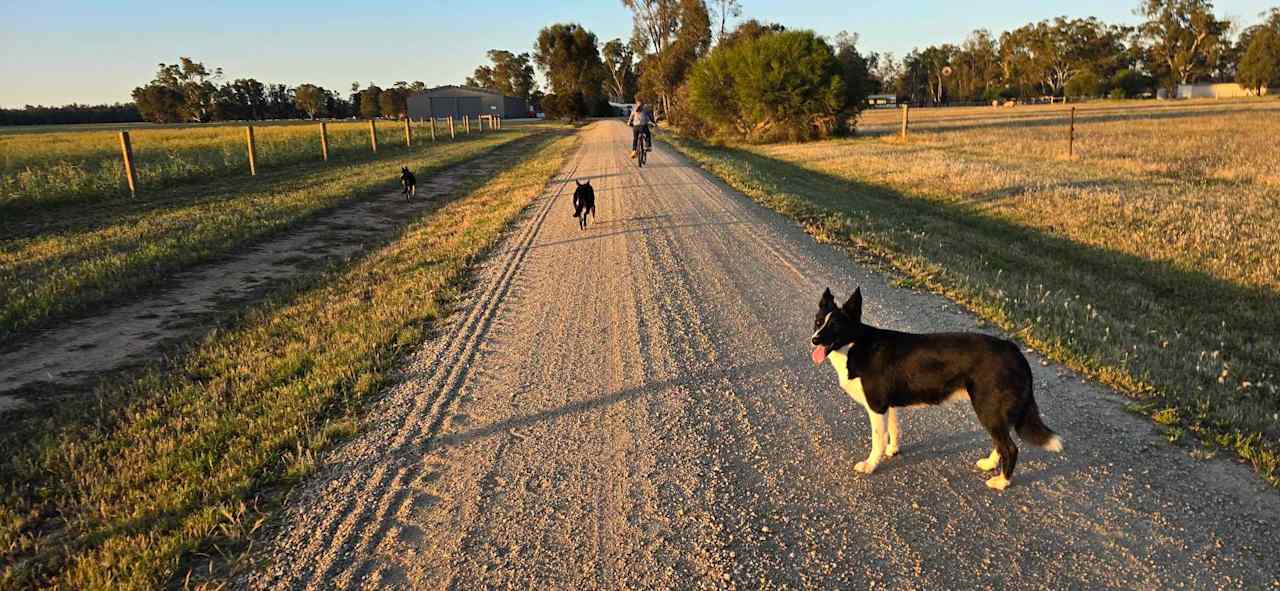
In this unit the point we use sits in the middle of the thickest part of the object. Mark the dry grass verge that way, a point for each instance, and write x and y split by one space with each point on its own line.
121 491
1153 277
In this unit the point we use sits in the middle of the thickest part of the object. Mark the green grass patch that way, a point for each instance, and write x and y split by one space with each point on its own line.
58 262
120 491
61 165
1198 349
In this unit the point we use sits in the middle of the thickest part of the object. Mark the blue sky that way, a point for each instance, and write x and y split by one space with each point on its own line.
55 51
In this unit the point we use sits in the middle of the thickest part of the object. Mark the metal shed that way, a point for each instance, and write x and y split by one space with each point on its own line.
457 101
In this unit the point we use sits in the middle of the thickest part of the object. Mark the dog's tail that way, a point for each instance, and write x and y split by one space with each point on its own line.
1033 430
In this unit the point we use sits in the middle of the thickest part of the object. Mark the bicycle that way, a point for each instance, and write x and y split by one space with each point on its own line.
646 145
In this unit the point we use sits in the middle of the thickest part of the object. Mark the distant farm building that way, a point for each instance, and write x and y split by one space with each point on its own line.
877 101
622 109
457 101
1223 90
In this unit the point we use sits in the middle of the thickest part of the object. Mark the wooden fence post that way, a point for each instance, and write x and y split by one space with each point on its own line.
408 133
130 173
451 134
373 135
905 109
253 151
466 124
324 141
433 128
1071 135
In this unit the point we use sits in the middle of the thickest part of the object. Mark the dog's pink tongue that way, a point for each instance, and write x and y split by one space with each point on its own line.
819 355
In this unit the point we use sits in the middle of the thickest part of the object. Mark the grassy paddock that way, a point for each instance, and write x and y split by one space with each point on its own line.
55 263
1149 263
57 167
119 492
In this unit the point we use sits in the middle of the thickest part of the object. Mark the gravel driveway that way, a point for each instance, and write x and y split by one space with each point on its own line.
633 405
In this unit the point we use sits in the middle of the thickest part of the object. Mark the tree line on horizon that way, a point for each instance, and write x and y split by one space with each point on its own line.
188 92
762 81
682 50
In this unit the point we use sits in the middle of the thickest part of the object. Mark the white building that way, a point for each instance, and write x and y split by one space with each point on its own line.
1217 91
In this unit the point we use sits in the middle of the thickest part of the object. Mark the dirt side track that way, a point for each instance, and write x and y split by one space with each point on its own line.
68 360
633 406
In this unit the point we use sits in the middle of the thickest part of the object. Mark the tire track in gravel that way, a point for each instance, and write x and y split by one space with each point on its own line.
362 521
632 406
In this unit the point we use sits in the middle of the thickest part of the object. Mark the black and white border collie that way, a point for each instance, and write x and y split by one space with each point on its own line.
885 369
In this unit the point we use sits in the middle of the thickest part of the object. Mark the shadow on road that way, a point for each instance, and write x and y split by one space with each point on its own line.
516 423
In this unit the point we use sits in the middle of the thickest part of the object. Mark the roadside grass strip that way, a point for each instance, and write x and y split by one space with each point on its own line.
122 491
1194 345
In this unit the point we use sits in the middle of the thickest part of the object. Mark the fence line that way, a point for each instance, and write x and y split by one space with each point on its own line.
129 161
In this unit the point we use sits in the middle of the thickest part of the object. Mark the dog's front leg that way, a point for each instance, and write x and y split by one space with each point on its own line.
878 433
894 433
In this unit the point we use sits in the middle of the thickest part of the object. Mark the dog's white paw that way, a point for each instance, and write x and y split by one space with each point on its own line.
988 464
999 482
865 467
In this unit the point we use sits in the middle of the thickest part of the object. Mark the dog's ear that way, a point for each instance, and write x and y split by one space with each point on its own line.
853 307
828 301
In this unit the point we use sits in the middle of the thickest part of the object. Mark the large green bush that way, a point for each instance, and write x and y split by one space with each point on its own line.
775 86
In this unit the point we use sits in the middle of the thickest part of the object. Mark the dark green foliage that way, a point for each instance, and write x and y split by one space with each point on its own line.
157 103
1128 83
856 74
186 93
1085 83
1260 65
777 86
73 113
510 74
371 102
568 55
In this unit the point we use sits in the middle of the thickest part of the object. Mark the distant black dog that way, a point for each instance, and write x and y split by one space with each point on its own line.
885 369
584 200
409 182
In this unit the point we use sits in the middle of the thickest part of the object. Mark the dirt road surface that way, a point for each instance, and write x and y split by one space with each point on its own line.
633 406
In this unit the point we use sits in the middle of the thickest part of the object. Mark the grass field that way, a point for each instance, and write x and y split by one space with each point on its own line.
1150 260
58 166
127 489
57 261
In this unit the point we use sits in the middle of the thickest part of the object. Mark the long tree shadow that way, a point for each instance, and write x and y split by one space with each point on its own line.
638 229
522 422
1143 300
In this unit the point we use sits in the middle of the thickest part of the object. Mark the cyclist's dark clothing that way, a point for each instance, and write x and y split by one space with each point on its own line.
639 122
637 133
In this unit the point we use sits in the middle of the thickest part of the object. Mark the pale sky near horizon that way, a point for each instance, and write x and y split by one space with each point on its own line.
56 52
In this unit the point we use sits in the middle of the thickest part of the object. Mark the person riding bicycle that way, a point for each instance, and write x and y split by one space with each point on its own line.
640 122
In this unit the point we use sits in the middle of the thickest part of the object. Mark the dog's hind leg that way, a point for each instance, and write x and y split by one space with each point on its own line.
990 462
878 433
1007 453
895 434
